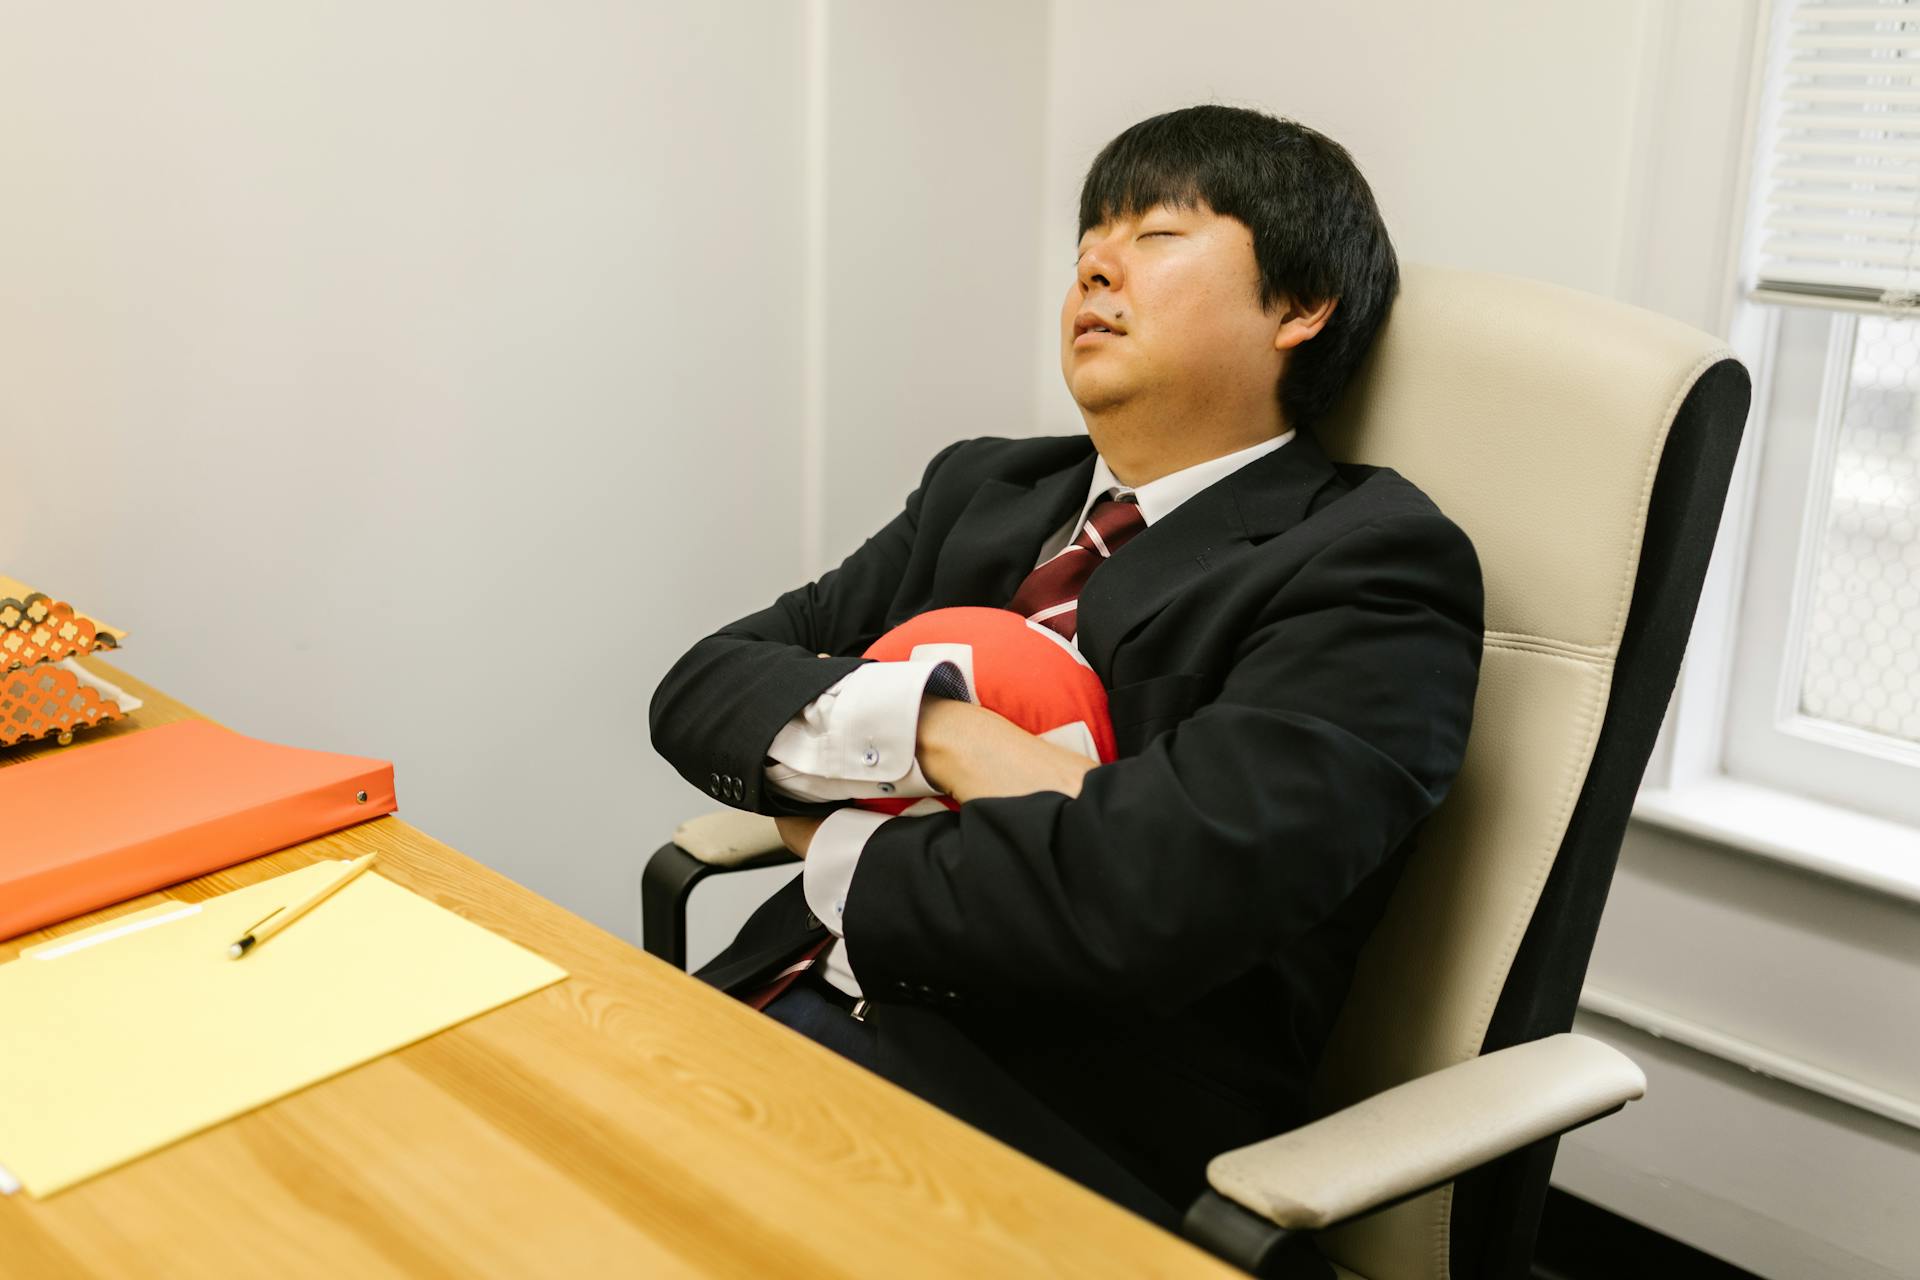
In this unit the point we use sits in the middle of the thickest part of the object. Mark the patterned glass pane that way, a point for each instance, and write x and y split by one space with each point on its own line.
1862 657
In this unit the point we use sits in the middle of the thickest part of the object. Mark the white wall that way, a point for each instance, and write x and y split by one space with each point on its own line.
413 380
1792 978
926 163
443 371
934 153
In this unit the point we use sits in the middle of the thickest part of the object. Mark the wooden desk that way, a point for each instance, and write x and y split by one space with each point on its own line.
629 1121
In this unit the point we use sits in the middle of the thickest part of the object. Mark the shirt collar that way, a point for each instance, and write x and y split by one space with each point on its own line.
1157 498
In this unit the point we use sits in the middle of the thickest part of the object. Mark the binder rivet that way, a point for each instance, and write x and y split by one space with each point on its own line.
360 797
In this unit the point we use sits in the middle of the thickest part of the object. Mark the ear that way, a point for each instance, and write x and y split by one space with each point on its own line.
1297 324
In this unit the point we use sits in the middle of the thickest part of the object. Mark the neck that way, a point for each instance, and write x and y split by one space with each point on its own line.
1141 446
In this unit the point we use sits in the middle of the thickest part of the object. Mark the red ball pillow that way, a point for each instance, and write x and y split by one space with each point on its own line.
1024 671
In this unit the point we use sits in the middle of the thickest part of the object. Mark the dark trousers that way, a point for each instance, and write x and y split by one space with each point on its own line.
925 1054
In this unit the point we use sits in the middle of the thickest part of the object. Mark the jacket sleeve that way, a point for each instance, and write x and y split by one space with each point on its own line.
718 708
1339 725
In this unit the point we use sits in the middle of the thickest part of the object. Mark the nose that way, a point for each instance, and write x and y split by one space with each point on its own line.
1098 266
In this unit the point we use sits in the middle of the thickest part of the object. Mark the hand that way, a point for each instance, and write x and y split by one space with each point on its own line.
972 753
797 833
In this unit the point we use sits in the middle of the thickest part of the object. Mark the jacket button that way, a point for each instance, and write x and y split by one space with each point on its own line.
813 921
713 783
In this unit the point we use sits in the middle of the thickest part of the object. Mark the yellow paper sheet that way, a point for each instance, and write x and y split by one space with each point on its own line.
122 1038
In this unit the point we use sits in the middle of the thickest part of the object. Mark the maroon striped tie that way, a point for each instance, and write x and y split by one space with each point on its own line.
1051 594
762 996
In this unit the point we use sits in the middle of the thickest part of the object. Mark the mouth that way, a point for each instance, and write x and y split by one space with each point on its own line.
1090 326
1095 337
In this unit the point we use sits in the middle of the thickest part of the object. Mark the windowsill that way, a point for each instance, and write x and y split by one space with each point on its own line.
1809 834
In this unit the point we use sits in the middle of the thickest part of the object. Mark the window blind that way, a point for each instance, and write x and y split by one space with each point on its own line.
1841 223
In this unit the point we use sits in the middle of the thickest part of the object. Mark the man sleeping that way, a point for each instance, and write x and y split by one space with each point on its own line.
1121 967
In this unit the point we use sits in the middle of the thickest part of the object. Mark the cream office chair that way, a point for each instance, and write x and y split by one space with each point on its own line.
1586 447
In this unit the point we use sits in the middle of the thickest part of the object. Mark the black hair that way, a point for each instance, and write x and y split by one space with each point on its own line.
1317 233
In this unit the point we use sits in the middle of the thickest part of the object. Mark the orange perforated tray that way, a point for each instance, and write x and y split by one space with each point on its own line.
99 824
47 700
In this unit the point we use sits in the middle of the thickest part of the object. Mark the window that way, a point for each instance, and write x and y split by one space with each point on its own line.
1825 682
1817 691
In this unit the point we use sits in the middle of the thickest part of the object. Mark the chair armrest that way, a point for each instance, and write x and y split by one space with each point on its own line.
727 840
729 837
1422 1134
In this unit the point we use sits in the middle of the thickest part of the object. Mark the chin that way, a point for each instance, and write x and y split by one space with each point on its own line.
1095 394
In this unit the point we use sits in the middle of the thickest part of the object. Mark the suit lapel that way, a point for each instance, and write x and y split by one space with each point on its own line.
1208 533
991 548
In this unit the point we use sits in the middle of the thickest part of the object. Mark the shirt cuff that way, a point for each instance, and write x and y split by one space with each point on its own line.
805 786
856 740
831 860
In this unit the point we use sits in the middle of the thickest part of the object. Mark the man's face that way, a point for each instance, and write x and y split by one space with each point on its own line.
1180 289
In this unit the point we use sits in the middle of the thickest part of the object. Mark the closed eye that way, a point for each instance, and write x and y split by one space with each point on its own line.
1077 261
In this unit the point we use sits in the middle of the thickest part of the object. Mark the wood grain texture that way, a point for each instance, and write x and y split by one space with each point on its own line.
629 1120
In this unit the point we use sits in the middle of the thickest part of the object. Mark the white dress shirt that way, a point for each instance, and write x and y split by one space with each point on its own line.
856 740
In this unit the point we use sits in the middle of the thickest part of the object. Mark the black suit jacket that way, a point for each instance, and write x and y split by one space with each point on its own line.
1291 657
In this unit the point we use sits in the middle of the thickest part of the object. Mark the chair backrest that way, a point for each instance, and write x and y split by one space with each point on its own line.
1540 419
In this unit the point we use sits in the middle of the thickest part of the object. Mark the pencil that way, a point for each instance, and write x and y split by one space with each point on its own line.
281 917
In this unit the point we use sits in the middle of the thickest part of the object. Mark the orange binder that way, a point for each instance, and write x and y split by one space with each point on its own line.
96 825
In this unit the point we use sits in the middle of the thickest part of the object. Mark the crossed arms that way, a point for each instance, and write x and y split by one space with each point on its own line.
1338 725
971 752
